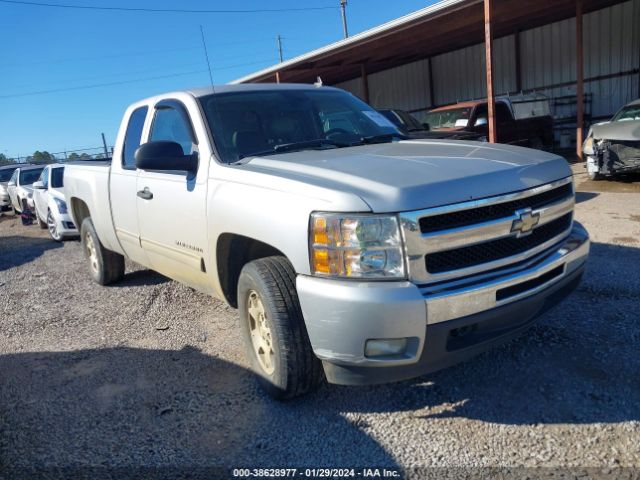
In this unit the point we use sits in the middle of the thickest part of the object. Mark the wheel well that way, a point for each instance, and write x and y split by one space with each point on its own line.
232 253
79 211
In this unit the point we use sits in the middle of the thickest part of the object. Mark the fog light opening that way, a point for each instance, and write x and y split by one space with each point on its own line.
385 347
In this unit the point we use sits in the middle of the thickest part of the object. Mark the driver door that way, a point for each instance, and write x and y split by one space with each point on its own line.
41 195
172 204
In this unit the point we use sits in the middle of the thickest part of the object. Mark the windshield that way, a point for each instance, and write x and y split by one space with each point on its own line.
403 120
27 177
456 117
57 174
627 113
6 173
244 124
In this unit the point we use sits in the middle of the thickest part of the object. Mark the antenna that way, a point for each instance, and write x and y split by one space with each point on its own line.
206 55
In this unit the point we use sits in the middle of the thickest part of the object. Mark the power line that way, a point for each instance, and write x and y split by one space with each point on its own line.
123 82
165 10
85 87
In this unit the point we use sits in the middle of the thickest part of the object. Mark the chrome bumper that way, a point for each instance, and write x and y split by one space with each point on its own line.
484 293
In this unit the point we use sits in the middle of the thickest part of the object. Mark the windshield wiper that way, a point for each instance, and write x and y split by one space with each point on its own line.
290 147
383 138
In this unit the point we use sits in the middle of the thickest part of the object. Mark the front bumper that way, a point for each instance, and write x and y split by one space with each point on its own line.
443 325
65 225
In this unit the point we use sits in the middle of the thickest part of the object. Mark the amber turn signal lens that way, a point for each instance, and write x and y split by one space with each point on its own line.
320 236
321 261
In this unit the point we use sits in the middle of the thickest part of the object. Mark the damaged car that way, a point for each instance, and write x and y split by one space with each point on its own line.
613 147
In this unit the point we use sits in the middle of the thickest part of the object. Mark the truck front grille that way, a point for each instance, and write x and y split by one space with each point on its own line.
495 250
465 239
462 218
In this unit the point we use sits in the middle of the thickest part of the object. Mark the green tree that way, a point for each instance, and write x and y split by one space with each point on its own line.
4 160
40 158
85 156
73 156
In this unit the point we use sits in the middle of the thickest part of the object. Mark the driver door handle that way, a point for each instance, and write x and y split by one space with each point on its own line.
145 194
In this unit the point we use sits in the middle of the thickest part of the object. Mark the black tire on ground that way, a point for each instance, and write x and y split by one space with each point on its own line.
41 223
106 266
595 176
296 370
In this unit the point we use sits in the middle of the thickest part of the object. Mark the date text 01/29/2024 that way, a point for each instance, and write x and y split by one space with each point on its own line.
316 472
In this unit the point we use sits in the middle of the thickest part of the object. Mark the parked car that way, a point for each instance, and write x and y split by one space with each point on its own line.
6 172
50 204
412 128
613 147
350 255
521 120
20 187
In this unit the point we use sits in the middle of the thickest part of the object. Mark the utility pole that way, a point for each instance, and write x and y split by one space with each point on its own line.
343 10
104 144
279 39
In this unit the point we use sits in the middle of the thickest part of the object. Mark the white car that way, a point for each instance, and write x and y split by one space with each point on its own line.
50 205
6 173
20 187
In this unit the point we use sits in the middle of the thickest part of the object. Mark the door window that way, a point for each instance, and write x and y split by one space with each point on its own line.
44 178
57 177
14 177
133 137
170 124
503 115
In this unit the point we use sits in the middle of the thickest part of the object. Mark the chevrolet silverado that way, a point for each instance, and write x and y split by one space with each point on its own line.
351 253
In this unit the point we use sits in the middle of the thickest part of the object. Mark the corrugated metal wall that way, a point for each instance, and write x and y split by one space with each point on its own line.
405 87
460 75
548 65
354 86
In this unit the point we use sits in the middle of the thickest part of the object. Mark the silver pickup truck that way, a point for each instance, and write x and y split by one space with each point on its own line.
351 253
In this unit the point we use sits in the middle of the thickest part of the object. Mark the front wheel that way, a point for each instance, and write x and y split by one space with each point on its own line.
52 225
105 266
273 329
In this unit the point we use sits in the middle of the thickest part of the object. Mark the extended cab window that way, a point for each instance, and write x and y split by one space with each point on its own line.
132 137
170 124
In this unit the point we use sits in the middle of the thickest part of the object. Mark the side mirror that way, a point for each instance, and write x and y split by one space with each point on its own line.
39 186
426 126
165 155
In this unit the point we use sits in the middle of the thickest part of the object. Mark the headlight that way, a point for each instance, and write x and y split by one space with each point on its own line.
62 206
356 246
588 147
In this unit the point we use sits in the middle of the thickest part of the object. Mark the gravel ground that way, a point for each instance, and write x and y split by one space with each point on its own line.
148 373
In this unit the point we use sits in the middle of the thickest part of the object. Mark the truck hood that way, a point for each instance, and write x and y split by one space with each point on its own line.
412 175
626 131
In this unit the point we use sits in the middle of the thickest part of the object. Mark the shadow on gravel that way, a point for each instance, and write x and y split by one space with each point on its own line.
17 250
577 364
140 278
585 196
178 410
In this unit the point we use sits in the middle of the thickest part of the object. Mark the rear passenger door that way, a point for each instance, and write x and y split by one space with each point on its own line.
172 204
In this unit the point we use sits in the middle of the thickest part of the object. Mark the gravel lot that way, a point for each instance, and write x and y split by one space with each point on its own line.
149 373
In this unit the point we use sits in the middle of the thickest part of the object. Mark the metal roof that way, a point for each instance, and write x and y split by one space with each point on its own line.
358 38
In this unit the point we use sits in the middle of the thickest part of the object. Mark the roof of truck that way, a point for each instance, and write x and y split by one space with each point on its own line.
251 87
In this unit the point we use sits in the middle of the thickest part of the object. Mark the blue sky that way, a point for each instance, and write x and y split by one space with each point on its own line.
50 48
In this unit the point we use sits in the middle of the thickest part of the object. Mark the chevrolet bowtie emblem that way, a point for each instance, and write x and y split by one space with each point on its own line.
526 222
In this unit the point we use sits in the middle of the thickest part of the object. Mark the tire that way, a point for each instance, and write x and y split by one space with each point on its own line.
295 370
594 176
53 227
105 266
41 224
